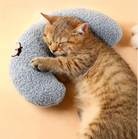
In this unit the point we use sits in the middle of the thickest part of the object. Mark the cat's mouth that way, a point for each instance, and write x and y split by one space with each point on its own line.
59 53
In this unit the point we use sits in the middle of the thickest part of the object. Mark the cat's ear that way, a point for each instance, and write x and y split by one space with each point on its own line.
81 29
50 19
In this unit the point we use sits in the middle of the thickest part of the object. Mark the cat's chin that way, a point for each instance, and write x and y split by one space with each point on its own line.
60 54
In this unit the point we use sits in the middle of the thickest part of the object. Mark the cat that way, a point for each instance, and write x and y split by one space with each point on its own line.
105 85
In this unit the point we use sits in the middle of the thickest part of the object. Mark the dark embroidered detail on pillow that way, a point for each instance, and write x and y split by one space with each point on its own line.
16 50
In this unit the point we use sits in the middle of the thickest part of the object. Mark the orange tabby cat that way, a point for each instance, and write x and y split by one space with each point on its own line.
106 87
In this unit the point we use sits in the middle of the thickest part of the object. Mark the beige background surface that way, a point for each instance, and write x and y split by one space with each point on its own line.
22 120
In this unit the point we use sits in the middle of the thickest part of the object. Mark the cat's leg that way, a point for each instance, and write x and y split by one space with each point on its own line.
61 65
47 64
87 128
79 112
51 65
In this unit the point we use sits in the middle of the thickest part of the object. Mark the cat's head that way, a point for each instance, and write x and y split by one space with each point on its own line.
64 34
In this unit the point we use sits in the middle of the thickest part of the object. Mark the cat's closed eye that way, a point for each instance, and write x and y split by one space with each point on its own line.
49 41
60 44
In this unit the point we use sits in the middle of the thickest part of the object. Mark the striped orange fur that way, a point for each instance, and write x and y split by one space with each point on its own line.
106 87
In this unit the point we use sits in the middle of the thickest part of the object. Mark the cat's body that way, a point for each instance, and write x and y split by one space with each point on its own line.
106 87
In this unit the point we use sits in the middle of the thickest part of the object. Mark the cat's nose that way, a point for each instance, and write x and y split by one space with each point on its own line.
54 51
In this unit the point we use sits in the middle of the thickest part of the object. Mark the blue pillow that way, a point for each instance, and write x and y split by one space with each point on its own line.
42 88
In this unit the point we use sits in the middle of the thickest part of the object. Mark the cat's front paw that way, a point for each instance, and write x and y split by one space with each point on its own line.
39 63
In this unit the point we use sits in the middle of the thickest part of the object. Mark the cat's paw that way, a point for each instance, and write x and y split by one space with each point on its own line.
134 38
39 64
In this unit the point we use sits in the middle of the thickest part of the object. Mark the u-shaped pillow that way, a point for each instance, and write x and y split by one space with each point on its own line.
42 88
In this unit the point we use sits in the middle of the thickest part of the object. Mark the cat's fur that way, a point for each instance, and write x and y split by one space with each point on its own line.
106 87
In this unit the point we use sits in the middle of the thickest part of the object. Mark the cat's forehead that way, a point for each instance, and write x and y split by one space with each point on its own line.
60 30
57 37
62 39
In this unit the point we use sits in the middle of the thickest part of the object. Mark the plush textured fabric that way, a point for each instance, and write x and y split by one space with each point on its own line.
42 88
